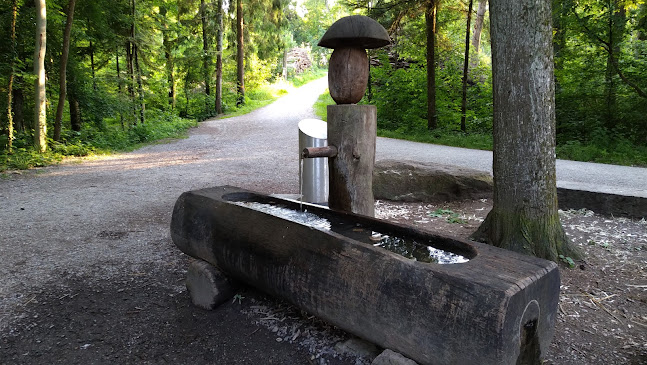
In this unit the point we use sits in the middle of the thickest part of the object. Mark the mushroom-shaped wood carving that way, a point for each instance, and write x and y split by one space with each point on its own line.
348 68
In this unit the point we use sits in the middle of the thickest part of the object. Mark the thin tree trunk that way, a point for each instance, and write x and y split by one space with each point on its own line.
140 86
120 87
75 113
18 106
478 29
616 24
138 70
63 71
131 77
285 63
10 126
119 82
219 59
169 69
240 75
430 22
92 68
524 217
40 97
205 50
465 67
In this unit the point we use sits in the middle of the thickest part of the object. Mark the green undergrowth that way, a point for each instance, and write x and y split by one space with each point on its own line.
306 77
95 141
608 150
109 136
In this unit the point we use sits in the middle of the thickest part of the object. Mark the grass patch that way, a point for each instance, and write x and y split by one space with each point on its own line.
446 137
258 98
268 93
616 151
310 75
321 105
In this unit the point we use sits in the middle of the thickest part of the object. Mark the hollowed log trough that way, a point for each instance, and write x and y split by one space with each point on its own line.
497 308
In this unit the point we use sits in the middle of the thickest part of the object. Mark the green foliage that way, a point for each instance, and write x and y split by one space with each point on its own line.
321 105
310 75
567 260
93 141
449 215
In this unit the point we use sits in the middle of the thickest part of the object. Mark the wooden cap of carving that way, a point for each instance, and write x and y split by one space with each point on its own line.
355 31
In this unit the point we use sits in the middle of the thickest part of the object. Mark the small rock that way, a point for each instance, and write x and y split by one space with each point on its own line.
388 357
357 347
432 183
207 286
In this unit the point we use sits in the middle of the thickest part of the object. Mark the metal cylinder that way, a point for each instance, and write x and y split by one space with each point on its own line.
313 172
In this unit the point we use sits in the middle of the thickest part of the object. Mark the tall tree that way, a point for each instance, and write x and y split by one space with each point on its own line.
617 18
219 34
63 70
478 29
240 54
524 217
167 44
206 56
40 96
466 67
12 64
430 26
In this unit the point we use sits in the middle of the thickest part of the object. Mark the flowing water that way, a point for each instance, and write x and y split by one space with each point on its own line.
409 248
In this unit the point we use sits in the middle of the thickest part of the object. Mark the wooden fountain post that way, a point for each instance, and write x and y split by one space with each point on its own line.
351 127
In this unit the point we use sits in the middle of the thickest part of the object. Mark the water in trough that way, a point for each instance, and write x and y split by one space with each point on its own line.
409 248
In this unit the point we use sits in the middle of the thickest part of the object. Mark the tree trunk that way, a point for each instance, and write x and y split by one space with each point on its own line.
285 63
10 126
560 9
40 98
18 106
119 87
169 70
219 59
240 66
206 59
430 23
134 68
524 217
119 83
465 67
478 29
92 68
616 22
131 78
351 129
63 71
140 86
75 113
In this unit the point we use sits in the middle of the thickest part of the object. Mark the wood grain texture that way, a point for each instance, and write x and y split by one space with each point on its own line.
352 129
348 75
434 314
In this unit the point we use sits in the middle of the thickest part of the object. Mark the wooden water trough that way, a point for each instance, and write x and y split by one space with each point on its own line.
497 308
